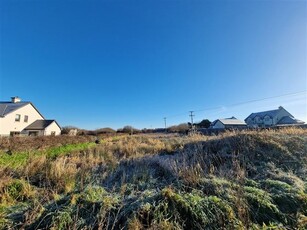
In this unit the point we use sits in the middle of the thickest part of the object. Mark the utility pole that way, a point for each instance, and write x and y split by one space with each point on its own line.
192 115
165 123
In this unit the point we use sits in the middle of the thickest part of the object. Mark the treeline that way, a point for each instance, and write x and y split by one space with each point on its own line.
181 128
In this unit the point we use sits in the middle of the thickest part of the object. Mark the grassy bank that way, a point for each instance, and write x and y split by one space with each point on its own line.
252 179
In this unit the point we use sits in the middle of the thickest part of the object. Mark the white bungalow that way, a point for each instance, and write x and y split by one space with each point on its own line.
228 123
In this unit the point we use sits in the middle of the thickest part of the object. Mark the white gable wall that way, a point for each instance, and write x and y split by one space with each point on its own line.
8 123
281 113
53 127
218 125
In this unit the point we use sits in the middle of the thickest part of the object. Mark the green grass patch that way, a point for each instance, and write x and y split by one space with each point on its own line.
262 206
198 211
17 160
63 150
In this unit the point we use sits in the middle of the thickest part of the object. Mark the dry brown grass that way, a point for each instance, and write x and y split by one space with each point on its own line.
140 165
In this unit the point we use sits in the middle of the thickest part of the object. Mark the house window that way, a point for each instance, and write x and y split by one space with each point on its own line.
33 133
26 118
17 117
53 133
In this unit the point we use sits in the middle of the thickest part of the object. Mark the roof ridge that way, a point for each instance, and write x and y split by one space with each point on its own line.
4 110
8 107
9 102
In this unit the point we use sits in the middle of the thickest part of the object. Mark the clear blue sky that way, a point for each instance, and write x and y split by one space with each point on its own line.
112 63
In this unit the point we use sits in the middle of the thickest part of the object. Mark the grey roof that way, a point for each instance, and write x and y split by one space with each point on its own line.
289 120
39 125
230 121
271 113
8 107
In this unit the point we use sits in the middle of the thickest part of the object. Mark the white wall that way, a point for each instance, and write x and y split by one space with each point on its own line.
267 120
281 113
53 127
8 123
218 125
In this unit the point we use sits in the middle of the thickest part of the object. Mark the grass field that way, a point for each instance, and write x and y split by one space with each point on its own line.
250 179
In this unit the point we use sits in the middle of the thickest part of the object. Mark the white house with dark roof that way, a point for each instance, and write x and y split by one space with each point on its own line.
228 123
277 117
16 116
42 128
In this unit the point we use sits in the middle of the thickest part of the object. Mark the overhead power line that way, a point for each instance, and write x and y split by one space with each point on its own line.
255 100
240 103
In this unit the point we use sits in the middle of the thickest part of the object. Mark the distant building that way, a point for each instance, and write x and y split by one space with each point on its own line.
72 132
228 123
277 117
23 118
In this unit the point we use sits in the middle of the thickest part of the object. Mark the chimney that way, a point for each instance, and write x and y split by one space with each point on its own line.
15 99
280 107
